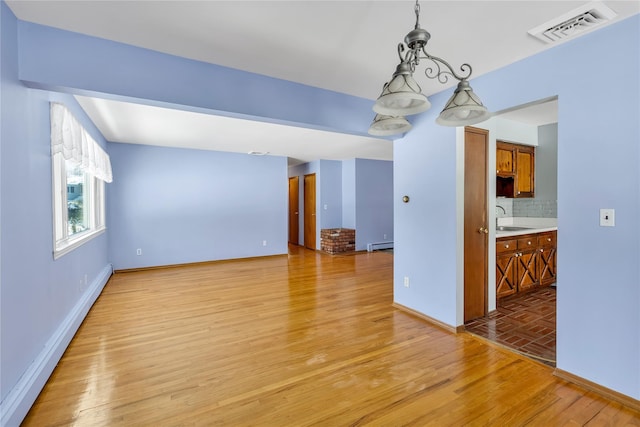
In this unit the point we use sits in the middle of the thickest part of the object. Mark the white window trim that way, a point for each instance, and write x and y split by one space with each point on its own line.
71 244
70 141
62 242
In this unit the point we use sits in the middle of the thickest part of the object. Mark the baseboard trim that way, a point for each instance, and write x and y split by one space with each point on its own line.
599 389
197 263
17 403
434 322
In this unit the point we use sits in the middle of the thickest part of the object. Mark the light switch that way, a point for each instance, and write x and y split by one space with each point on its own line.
607 217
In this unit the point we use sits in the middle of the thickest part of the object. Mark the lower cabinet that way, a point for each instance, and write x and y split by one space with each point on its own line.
525 262
547 258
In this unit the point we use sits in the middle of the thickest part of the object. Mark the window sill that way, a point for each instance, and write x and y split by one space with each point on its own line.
63 248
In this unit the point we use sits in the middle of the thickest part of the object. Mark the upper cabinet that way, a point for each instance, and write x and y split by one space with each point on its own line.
515 170
505 159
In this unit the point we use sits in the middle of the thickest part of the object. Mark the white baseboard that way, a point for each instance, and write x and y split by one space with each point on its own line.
19 400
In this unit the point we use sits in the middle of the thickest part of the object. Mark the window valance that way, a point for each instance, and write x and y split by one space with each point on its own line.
70 139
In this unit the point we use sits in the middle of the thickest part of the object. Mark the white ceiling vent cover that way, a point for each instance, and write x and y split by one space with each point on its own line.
578 21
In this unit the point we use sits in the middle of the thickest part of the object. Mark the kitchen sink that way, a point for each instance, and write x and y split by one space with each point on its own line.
511 228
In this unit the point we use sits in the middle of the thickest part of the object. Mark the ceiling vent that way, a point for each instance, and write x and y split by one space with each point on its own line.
571 24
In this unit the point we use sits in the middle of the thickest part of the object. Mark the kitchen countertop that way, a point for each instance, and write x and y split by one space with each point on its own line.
531 225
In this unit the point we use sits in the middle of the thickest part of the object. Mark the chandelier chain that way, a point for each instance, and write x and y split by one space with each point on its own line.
402 95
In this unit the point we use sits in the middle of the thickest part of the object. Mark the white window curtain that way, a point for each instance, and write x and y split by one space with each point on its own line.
70 139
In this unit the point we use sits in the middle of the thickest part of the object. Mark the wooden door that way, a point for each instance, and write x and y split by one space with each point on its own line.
475 223
294 210
310 211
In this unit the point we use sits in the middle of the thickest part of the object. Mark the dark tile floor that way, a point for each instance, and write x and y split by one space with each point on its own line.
525 323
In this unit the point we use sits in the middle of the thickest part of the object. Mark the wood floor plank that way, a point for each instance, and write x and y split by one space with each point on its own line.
306 339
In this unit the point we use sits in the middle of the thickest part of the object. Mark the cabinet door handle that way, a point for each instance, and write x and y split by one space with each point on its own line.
506 246
483 230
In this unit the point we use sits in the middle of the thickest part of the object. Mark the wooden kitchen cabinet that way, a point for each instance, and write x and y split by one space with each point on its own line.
506 250
515 170
547 258
524 263
527 272
505 158
525 171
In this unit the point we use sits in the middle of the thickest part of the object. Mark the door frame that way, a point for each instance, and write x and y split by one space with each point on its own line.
294 210
310 239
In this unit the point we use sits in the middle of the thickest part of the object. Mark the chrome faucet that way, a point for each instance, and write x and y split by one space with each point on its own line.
503 211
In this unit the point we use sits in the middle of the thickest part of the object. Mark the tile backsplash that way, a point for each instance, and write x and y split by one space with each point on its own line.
527 208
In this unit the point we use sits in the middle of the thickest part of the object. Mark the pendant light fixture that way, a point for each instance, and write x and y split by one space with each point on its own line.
388 125
402 96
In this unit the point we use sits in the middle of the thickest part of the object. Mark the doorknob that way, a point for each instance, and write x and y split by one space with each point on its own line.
483 230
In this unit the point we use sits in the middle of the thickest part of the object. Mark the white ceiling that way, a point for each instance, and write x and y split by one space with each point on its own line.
150 125
344 46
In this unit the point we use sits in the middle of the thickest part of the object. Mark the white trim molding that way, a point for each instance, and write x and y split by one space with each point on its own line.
19 400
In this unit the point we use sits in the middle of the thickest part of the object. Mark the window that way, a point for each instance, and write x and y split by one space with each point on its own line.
80 169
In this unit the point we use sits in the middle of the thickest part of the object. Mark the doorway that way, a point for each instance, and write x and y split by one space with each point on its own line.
476 232
525 321
294 210
310 211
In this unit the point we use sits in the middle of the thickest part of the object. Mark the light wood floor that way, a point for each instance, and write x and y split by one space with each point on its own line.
309 339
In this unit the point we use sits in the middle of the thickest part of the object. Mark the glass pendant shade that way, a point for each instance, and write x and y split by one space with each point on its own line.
387 125
463 108
402 96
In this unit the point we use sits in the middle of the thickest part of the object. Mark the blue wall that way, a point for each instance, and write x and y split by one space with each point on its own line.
598 155
374 202
62 60
425 227
349 193
330 200
181 206
43 301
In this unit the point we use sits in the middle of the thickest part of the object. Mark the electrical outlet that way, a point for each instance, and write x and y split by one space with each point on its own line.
384 236
264 243
607 217
406 281
138 251
85 280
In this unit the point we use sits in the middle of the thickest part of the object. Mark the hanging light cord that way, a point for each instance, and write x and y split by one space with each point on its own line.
416 42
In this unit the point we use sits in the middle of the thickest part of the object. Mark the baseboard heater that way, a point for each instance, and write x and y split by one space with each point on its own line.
379 245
